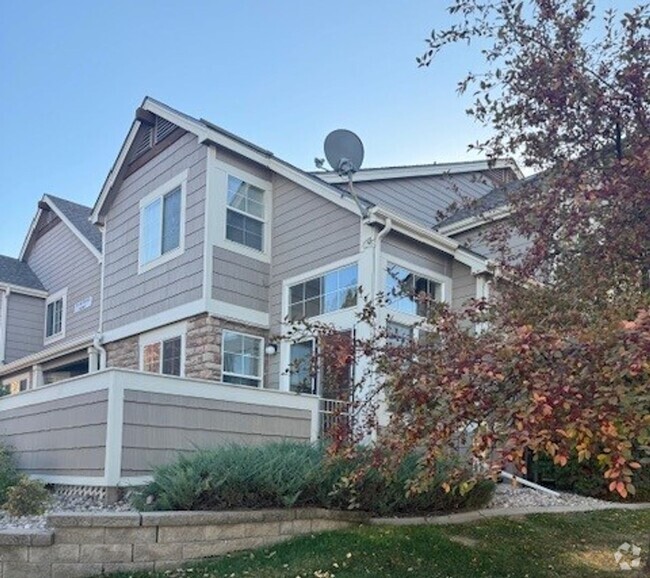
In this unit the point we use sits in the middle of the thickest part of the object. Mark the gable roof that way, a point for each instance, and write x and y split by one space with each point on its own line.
428 170
76 218
490 207
79 217
17 272
209 133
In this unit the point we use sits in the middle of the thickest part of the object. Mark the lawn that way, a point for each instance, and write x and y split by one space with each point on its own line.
575 545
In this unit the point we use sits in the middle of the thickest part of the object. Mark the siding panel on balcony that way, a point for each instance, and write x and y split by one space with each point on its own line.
159 427
64 437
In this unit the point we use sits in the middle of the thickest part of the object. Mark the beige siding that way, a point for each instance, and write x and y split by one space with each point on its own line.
60 260
25 326
240 280
464 285
419 254
129 296
64 437
157 427
308 232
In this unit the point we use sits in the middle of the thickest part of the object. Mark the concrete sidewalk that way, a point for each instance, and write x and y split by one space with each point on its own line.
476 515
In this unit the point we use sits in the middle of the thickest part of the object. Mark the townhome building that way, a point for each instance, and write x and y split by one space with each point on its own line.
152 322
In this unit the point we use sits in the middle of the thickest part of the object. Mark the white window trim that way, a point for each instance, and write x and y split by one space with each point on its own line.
401 316
63 295
342 319
220 193
160 335
262 359
179 180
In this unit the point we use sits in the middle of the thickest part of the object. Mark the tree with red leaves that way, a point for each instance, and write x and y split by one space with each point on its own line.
561 366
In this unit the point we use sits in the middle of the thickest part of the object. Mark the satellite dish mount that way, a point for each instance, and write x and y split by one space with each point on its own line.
344 153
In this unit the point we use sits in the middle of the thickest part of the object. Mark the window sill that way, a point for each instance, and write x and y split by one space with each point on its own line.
144 267
53 338
244 250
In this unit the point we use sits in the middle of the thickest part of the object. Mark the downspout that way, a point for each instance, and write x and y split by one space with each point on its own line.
388 227
97 345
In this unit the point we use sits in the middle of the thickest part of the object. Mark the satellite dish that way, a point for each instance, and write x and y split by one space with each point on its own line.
344 151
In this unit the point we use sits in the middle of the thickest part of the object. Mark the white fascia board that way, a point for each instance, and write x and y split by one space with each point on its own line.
52 204
23 290
208 135
30 232
47 354
115 169
417 232
476 221
432 170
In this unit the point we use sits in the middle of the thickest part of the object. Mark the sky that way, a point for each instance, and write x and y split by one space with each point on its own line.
280 73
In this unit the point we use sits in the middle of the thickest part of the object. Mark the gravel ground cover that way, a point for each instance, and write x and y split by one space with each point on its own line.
506 496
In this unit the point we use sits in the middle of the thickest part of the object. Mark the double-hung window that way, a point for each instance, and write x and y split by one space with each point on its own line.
55 312
242 358
325 294
161 223
410 293
245 214
164 356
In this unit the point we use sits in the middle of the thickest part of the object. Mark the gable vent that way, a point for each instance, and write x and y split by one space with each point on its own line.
143 141
163 128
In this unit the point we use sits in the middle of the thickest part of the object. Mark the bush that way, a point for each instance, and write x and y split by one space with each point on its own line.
8 472
27 498
283 475
586 478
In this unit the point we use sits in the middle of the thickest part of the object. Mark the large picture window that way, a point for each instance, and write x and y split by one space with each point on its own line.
245 214
410 293
330 292
242 359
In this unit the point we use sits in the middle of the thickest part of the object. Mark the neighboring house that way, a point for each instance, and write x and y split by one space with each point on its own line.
200 247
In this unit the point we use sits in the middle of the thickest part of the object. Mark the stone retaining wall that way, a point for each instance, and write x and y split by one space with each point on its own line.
83 545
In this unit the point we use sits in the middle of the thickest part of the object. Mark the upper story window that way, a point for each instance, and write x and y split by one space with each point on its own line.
161 223
330 292
55 311
245 217
163 350
242 359
409 292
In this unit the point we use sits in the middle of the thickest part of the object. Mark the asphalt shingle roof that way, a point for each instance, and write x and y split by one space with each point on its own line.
495 198
79 216
18 272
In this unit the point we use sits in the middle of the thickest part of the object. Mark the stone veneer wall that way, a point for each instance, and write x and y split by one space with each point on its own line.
82 545
202 347
123 353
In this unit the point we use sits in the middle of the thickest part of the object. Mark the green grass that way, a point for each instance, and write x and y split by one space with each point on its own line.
550 545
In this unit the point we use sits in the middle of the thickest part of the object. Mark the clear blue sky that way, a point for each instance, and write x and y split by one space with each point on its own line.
281 73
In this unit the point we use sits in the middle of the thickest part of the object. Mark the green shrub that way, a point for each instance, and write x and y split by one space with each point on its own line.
27 498
8 472
283 475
